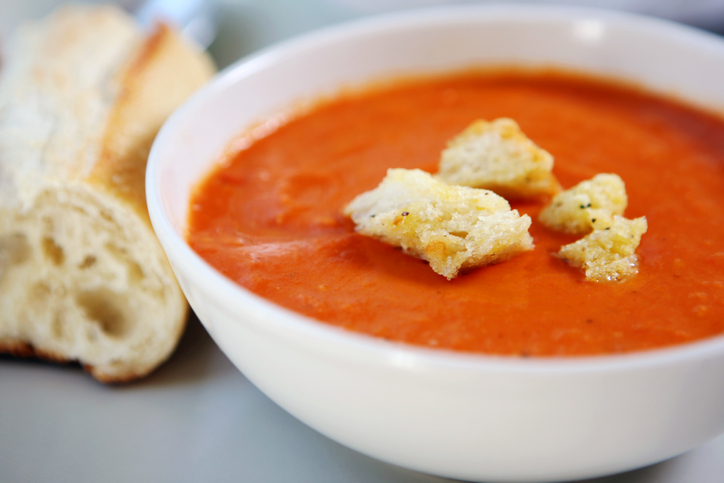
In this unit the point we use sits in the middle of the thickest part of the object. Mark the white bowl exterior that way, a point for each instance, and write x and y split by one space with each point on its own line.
470 417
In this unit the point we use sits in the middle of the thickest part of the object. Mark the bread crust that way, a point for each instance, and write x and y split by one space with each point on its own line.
145 100
82 275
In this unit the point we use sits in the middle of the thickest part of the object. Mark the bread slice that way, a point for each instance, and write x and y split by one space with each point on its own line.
608 254
588 205
454 228
498 156
82 275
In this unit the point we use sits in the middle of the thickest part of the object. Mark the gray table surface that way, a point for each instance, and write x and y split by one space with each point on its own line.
198 418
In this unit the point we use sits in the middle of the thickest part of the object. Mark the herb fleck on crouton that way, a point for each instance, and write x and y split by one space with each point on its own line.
607 255
454 228
588 205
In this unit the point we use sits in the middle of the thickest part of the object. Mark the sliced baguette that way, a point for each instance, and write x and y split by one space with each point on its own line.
82 275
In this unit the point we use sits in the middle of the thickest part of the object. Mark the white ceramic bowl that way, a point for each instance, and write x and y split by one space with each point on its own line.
464 416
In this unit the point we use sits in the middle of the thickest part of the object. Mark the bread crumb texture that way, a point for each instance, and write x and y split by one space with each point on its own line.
75 286
499 157
589 205
607 255
454 228
82 275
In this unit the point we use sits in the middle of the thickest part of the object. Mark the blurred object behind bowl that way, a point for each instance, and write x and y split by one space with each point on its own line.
243 26
703 13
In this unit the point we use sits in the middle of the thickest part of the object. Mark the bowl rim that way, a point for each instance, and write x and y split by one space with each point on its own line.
279 318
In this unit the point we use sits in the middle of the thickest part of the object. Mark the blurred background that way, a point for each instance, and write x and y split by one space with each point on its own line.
243 26
197 418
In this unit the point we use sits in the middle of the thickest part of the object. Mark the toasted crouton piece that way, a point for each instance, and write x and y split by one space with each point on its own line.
607 255
498 156
454 228
589 205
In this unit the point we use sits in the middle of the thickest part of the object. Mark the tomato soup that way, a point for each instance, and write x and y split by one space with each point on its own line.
270 218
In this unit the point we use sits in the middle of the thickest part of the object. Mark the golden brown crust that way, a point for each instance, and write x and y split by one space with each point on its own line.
107 379
21 349
148 96
18 348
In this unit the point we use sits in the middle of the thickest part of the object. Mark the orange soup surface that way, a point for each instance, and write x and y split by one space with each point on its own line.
270 218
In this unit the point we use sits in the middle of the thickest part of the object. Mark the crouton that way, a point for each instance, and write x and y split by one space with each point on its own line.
498 156
607 255
454 228
589 205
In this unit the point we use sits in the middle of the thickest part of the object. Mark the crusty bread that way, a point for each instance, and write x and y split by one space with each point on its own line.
588 205
607 255
454 228
498 156
82 275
